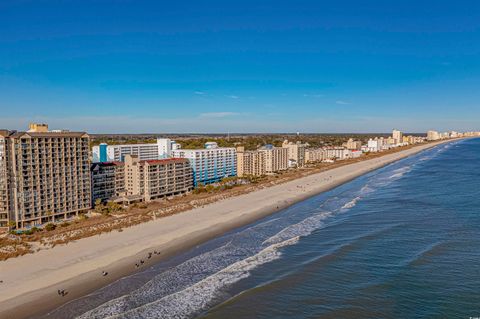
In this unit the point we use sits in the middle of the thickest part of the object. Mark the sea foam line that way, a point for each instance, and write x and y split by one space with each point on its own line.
190 301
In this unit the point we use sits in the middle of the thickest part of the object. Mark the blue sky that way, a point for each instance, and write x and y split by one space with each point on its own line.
240 66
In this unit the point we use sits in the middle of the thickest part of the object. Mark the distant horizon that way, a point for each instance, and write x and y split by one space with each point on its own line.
230 133
23 126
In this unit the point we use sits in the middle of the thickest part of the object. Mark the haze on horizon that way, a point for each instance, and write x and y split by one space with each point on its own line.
240 66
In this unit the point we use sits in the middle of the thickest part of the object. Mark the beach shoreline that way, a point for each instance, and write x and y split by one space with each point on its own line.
32 291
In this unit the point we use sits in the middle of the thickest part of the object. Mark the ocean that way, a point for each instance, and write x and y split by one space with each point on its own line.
400 242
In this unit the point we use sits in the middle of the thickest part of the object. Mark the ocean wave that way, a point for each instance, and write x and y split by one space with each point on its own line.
199 296
303 228
351 203
200 282
426 255
400 172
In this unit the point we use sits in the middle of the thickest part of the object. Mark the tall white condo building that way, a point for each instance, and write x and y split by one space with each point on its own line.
145 152
210 164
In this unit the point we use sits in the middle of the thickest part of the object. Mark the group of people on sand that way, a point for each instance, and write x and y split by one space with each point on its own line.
150 254
63 292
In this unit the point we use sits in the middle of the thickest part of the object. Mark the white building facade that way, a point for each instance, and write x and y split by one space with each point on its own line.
210 164
145 152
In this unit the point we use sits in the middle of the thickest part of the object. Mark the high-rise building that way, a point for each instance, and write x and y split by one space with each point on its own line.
397 136
276 158
46 175
102 157
145 152
296 153
108 181
4 202
250 163
164 147
433 136
315 155
210 164
337 153
157 178
374 145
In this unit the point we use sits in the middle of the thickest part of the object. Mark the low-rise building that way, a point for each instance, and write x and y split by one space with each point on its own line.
413 139
390 141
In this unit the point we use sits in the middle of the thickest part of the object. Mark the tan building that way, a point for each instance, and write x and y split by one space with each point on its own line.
4 202
44 176
276 158
315 155
37 127
157 178
250 162
337 153
296 153
391 141
353 145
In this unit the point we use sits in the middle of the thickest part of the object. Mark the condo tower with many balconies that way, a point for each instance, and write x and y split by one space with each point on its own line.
44 176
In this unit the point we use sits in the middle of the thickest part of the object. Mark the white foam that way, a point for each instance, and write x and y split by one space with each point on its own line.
351 203
198 283
400 172
302 228
186 303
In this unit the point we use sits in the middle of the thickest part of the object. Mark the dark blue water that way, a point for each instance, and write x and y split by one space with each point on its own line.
400 242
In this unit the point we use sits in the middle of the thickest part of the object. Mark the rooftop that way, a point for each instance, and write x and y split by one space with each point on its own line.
163 161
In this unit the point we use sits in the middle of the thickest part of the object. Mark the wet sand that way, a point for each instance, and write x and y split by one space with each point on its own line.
30 282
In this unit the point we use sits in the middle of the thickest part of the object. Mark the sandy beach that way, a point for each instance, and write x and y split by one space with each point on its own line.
30 282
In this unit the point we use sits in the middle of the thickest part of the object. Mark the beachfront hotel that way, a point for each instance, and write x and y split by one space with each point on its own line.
148 151
397 136
250 163
44 176
353 145
154 179
315 155
108 181
276 158
210 164
296 153
4 203
433 136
